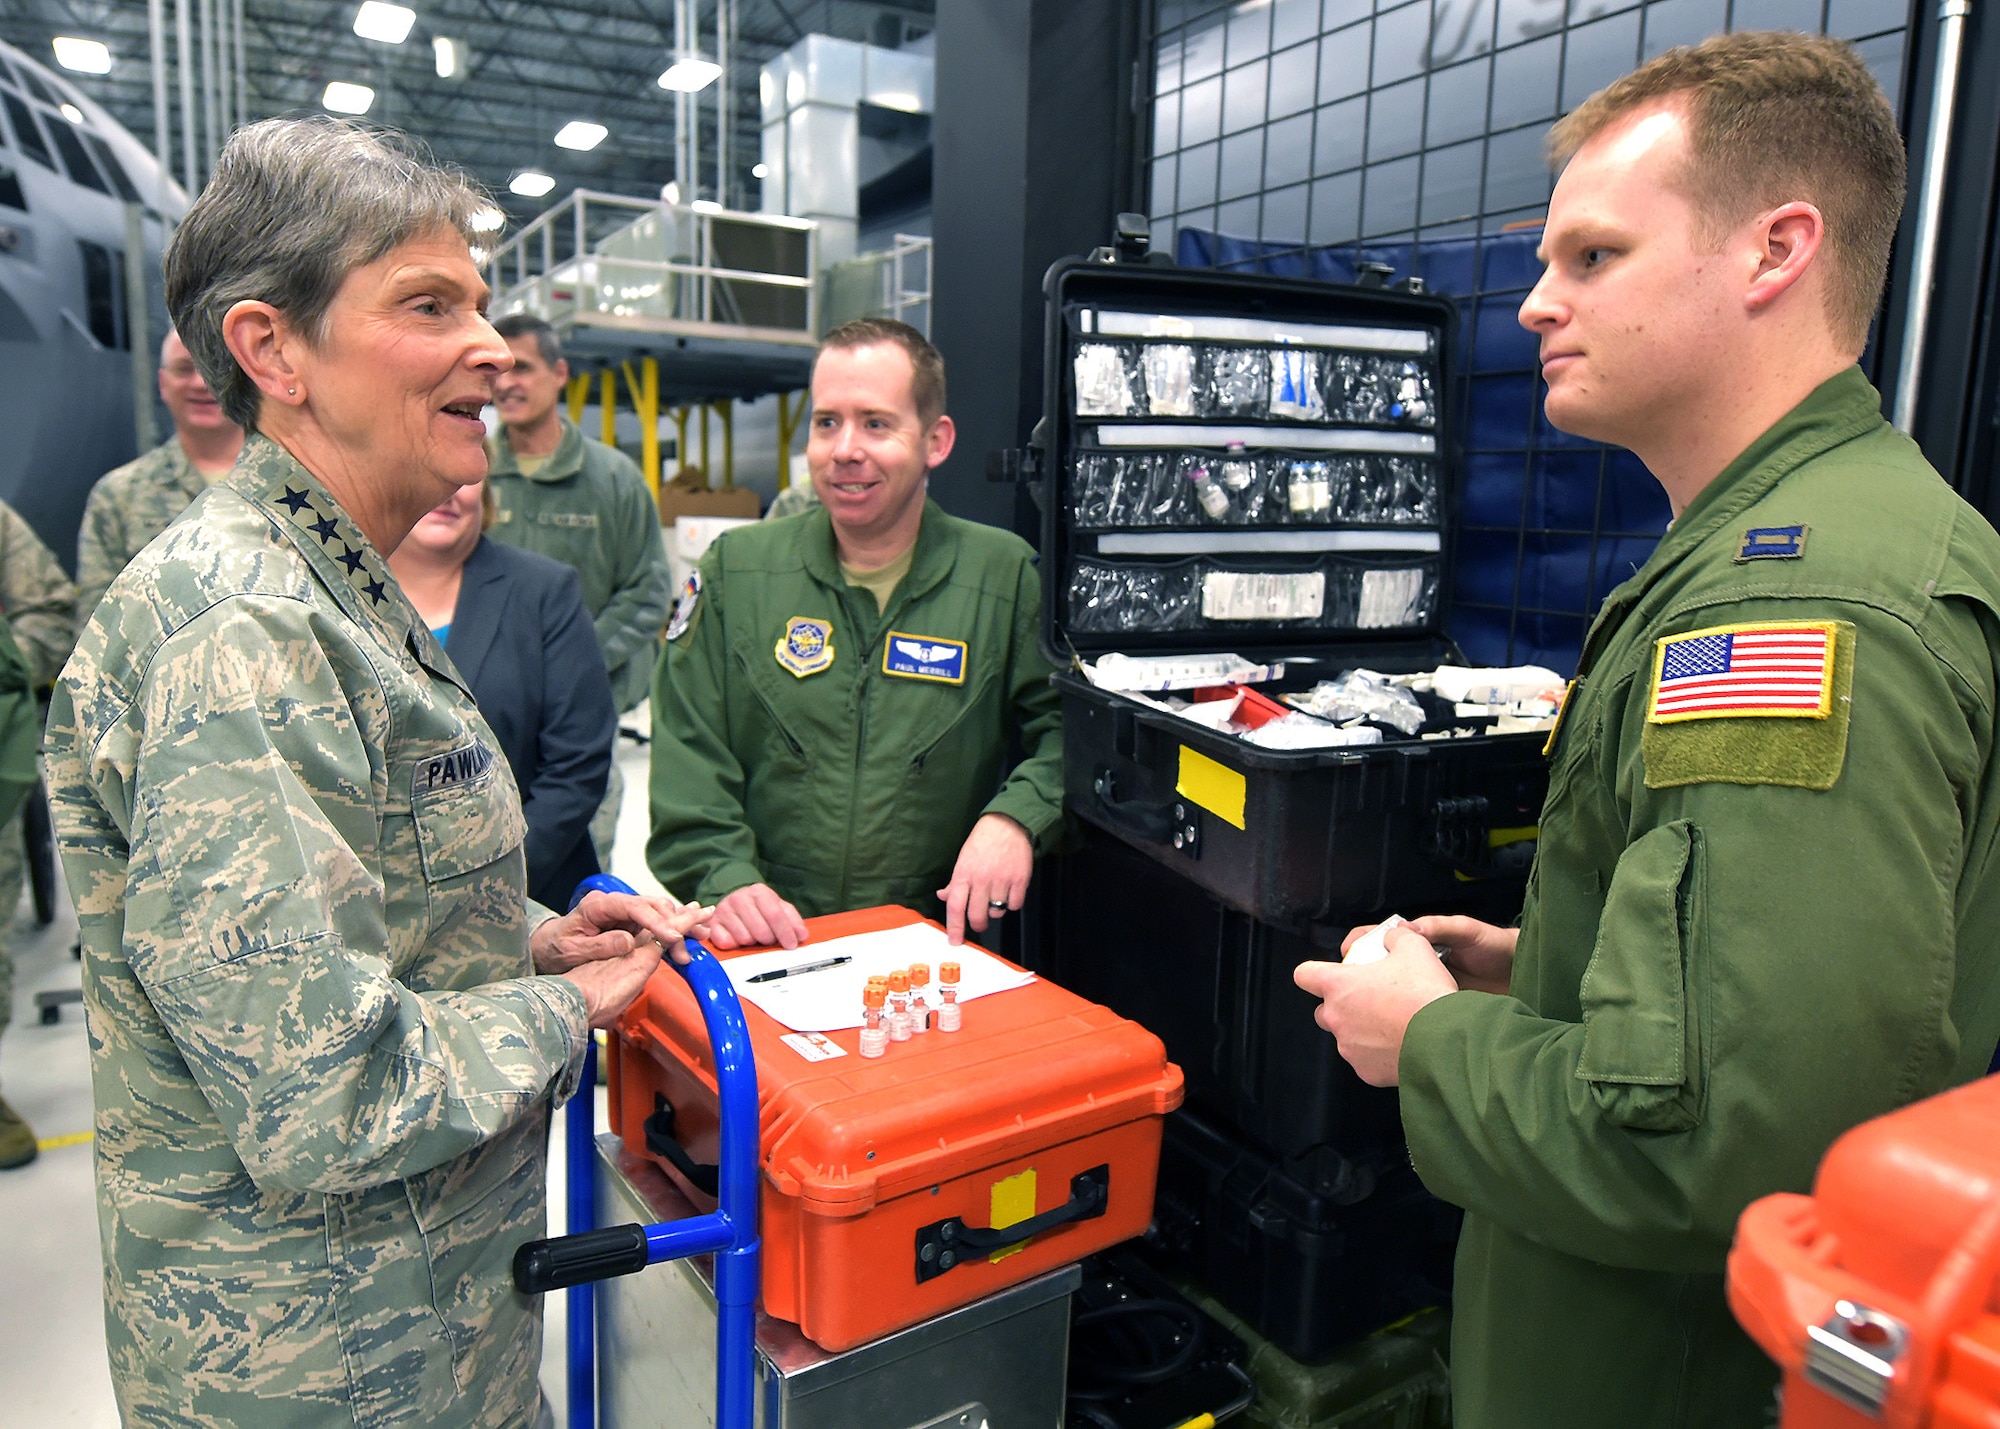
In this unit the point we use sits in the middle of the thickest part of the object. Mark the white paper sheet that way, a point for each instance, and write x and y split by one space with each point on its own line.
830 999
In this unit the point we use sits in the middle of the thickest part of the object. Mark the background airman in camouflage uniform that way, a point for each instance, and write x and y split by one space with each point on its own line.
132 504
36 598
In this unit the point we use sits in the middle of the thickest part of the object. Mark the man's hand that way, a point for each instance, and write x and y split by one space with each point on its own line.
1479 955
609 944
754 916
990 878
1368 1009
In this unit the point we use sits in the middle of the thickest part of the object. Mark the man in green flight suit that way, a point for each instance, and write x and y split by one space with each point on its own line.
1765 905
833 713
585 504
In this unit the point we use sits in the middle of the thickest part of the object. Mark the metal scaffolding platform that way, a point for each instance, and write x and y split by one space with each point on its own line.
694 306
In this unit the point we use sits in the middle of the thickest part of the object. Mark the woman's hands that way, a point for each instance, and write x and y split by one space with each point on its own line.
609 944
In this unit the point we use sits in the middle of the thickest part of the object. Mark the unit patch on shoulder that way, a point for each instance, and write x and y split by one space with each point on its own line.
1761 703
1773 543
806 647
924 657
683 615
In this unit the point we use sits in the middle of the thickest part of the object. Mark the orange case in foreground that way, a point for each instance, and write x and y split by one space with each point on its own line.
1037 1099
1877 1294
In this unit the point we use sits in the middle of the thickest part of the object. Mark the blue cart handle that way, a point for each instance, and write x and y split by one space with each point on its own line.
729 1232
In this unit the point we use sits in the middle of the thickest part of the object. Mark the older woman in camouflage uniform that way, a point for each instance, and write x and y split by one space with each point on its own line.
322 1056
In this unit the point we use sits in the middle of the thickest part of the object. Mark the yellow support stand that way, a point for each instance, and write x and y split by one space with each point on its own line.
726 409
645 390
704 446
578 394
609 402
788 428
680 416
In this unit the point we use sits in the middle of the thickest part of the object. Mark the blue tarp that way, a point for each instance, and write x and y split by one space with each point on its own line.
1548 523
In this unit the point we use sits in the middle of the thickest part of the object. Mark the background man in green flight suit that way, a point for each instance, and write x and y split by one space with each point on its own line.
585 504
840 689
1765 904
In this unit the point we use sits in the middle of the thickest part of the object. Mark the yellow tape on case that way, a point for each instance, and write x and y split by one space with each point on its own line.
1212 785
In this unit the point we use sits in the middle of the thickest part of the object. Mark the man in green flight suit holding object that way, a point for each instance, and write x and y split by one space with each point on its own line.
839 691
1765 905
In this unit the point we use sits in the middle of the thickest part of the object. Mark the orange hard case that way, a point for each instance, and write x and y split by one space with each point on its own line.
1897 1252
864 1158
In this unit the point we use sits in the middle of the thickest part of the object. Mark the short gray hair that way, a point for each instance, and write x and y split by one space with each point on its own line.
293 207
547 343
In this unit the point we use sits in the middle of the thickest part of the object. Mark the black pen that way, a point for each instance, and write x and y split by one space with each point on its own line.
775 973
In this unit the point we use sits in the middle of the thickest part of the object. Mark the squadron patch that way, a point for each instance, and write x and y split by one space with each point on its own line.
684 607
924 657
1762 703
806 648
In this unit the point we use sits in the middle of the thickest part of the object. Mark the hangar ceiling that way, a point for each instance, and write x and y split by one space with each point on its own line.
529 67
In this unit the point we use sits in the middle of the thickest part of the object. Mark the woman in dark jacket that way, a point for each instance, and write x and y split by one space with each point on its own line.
515 625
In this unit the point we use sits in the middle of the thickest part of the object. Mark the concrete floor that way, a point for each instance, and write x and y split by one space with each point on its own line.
53 1373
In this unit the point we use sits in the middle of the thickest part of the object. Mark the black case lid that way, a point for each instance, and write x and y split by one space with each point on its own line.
1074 284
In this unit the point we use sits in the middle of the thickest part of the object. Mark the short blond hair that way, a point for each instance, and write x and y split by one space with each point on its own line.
1776 117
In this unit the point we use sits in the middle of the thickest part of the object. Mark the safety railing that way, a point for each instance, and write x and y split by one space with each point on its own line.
604 258
892 283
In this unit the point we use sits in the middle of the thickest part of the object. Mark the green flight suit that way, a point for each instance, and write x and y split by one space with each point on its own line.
128 507
588 507
321 1068
1743 935
849 786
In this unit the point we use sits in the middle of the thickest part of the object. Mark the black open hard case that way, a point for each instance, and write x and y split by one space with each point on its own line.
1330 525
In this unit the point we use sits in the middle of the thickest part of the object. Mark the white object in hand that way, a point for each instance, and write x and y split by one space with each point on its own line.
1373 945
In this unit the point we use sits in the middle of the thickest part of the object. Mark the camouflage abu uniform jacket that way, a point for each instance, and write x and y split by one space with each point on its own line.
35 596
321 1069
128 507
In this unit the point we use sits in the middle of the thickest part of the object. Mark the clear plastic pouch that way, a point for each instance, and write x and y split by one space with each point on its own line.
1295 385
1373 389
1171 379
1235 382
1105 386
1135 598
1385 490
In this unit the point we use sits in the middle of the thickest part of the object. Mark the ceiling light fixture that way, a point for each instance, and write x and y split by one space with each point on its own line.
72 114
379 20
344 98
488 220
690 74
83 56
580 134
450 55
760 171
706 205
531 183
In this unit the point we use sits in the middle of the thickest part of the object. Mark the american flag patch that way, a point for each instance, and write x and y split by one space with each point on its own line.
1778 669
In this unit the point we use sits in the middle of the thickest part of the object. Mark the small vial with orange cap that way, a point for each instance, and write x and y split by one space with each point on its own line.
874 1021
949 1012
920 1006
899 1006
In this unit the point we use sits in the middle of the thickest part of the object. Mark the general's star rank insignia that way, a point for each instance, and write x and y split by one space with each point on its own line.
806 648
